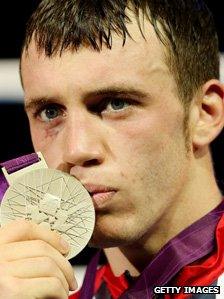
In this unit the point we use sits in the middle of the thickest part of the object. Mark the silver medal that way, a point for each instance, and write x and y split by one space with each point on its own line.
55 200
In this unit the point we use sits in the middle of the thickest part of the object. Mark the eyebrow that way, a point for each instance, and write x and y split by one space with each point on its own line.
36 102
114 91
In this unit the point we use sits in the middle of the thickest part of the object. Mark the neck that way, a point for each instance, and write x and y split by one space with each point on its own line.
199 196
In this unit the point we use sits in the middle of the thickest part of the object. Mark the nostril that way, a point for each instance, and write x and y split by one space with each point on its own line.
92 162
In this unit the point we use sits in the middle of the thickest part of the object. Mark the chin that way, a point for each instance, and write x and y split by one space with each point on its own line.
111 237
104 242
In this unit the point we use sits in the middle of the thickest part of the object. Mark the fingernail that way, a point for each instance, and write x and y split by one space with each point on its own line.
64 244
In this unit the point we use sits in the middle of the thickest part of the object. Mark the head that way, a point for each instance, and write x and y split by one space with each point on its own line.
117 94
186 28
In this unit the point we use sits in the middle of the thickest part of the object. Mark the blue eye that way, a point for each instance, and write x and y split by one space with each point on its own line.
111 105
49 113
117 104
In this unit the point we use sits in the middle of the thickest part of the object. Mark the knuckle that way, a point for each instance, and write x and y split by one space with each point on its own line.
49 263
42 245
59 280
57 285
3 253
9 287
3 268
24 226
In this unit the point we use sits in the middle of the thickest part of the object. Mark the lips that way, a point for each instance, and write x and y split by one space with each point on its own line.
100 194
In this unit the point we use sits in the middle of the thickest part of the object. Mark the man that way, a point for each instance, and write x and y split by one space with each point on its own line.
125 97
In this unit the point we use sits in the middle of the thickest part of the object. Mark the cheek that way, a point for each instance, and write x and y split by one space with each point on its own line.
145 140
49 145
43 143
38 137
152 153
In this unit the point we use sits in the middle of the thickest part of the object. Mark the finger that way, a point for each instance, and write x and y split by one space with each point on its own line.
34 268
22 230
42 288
38 248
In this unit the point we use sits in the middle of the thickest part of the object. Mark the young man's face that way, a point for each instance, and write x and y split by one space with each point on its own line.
112 119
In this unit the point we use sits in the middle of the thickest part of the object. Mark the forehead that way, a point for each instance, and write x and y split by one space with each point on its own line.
135 62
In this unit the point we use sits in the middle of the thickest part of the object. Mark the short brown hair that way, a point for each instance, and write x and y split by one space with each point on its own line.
188 32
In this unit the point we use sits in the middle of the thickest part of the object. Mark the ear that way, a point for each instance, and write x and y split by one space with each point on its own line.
208 114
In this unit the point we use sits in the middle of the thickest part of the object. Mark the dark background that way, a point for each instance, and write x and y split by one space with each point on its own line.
14 14
15 139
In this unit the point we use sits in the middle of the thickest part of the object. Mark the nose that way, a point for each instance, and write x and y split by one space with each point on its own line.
82 142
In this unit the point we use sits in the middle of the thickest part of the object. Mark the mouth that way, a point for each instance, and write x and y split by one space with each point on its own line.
100 194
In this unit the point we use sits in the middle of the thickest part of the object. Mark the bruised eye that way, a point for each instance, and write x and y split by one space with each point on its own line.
49 112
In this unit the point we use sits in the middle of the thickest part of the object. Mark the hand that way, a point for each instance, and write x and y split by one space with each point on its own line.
32 264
